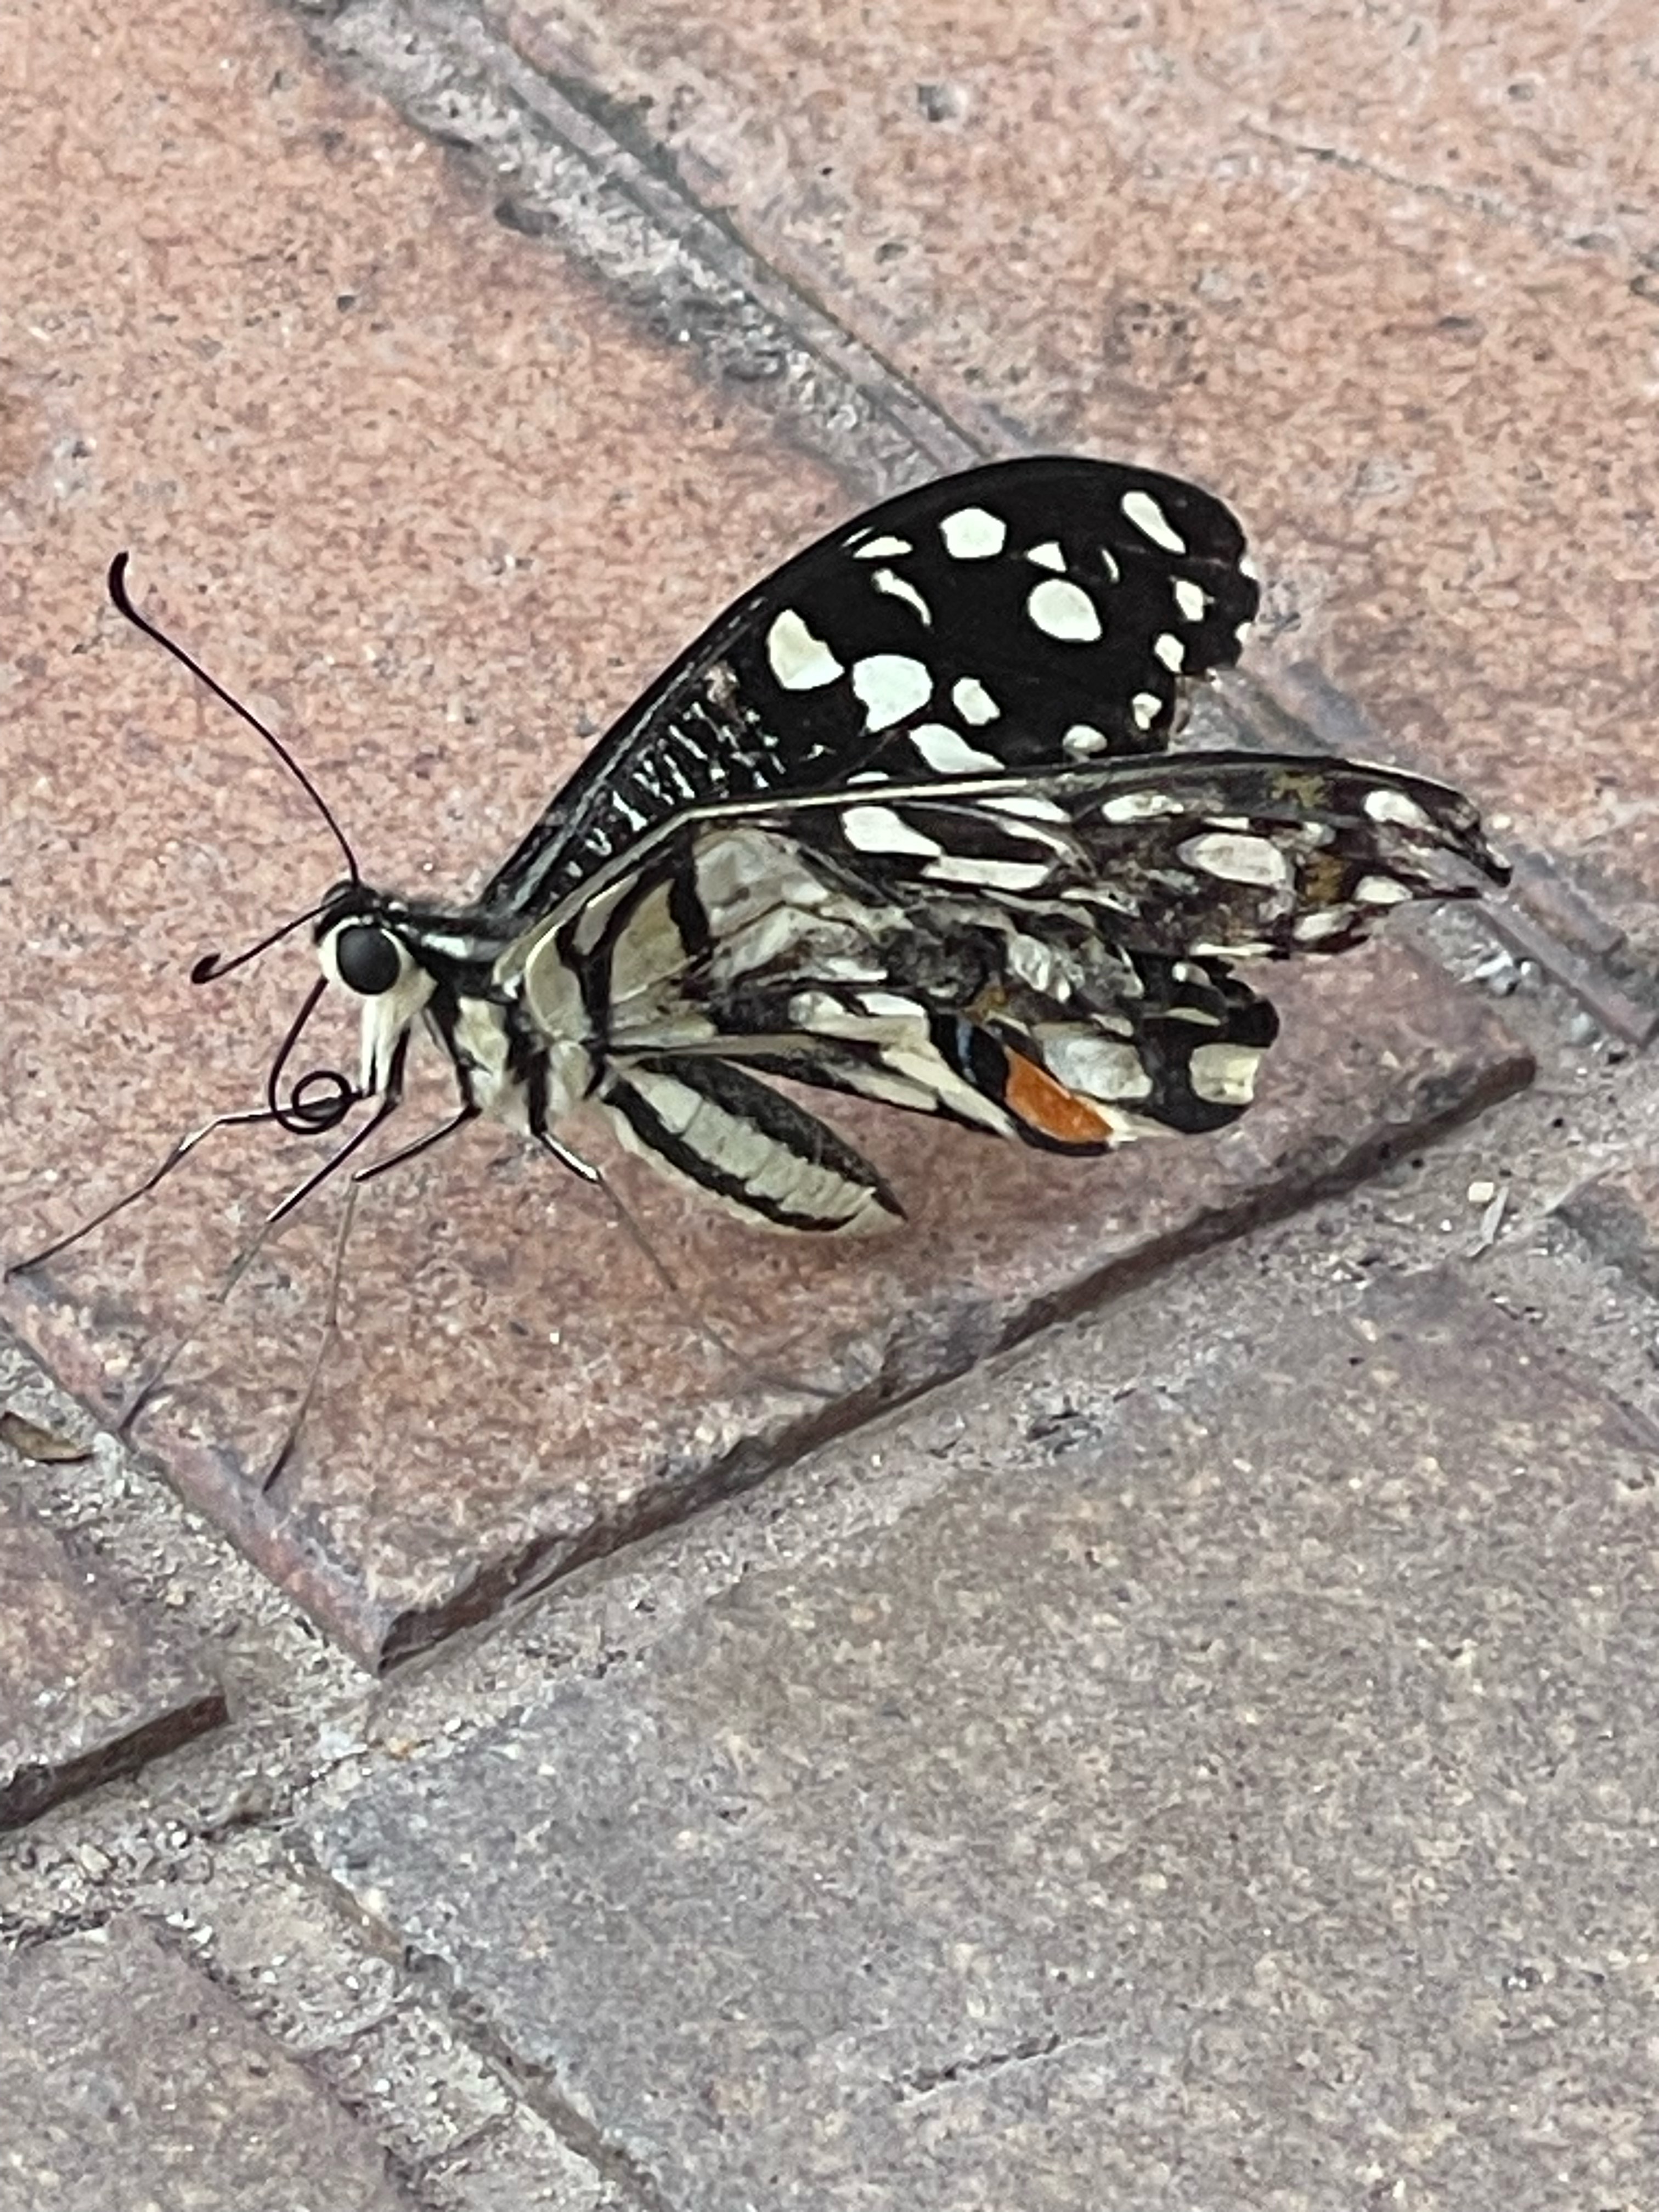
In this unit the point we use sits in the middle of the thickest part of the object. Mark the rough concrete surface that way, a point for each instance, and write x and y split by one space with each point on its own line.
1257 1781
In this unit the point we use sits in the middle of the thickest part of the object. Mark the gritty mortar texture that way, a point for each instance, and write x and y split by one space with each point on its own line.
560 173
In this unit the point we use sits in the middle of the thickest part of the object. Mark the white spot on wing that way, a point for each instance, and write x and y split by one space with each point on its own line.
1394 806
1150 519
1380 890
1108 563
800 661
1170 651
1190 598
1145 707
1080 741
1139 806
1314 928
1237 860
948 751
1029 808
1097 1068
1064 610
972 534
880 829
896 588
987 875
973 701
883 549
891 685
1224 1073
1048 555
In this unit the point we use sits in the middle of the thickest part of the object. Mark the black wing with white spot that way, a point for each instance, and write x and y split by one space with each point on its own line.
1018 617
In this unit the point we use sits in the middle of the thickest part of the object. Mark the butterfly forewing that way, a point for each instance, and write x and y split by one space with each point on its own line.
1018 617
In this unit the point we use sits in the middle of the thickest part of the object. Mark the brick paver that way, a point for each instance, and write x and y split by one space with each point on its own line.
89 1687
131 2080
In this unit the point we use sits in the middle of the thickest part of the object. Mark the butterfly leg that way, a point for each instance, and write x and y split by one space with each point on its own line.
158 1374
392 1098
330 1324
634 1230
423 1143
176 1155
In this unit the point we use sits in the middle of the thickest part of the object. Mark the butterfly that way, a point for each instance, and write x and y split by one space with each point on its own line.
901 823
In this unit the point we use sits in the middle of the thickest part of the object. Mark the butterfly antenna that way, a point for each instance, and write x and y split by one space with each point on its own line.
212 965
123 603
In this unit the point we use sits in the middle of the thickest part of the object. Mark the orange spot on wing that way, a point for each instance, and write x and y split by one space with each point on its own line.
1050 1108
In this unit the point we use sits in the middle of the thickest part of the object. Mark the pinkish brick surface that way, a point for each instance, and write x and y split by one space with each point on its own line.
1323 265
428 501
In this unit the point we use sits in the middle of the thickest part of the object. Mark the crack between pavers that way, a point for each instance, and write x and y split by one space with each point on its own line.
18 1935
560 170
1030 2050
536 2083
1491 207
35 1786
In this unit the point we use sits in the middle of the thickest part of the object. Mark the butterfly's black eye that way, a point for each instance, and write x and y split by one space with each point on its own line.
366 959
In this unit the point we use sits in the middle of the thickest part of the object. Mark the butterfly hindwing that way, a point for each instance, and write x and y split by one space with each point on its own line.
1040 956
1230 855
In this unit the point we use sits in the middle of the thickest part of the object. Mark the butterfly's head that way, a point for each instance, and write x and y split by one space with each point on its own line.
364 945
